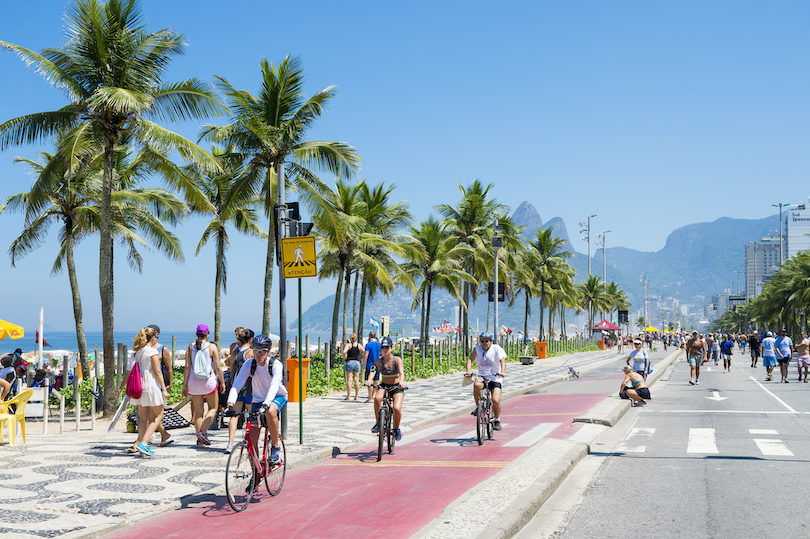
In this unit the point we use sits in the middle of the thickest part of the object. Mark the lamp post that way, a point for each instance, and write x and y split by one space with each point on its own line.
496 245
587 231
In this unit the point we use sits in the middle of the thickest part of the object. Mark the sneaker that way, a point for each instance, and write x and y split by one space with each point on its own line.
229 449
641 403
399 435
376 428
496 425
144 450
800 378
692 381
805 380
697 382
787 381
474 412
203 437
274 454
768 378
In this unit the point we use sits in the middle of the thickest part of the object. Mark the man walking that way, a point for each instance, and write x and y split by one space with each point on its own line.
803 354
769 355
753 345
784 348
696 351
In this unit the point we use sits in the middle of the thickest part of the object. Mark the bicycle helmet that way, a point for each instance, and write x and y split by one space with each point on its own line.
260 341
485 335
386 342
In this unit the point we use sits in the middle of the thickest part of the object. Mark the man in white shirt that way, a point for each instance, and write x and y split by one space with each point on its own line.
491 360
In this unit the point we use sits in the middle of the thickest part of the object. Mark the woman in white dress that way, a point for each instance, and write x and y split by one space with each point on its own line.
154 395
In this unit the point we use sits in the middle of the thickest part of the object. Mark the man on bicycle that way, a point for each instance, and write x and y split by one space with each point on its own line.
392 378
491 360
268 392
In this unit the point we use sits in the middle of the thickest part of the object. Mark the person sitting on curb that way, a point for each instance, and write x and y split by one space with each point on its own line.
633 387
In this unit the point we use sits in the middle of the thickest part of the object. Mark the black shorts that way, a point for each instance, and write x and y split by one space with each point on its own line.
783 360
755 352
394 388
493 384
376 373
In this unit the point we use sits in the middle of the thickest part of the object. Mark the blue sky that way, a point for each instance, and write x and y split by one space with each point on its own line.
651 115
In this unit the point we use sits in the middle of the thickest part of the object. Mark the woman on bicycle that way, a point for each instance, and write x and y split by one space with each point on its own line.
393 379
491 359
268 391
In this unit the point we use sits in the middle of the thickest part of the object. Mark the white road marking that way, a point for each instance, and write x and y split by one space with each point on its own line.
587 433
762 431
531 437
771 447
636 441
430 431
721 412
701 441
780 401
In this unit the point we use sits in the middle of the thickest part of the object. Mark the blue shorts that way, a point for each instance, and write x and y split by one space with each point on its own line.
280 401
353 365
769 361
247 400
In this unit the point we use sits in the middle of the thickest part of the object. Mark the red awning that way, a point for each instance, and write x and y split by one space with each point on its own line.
606 326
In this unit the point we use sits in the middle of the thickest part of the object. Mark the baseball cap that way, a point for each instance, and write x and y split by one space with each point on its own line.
386 342
155 327
202 329
769 334
637 341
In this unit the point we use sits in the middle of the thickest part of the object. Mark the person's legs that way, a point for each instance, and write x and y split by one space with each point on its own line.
377 403
397 404
478 385
5 387
150 417
348 376
272 423
496 402
197 412
356 377
232 422
212 401
633 395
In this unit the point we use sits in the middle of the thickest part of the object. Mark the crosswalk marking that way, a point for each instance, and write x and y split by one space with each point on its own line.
531 437
430 431
701 441
762 431
587 433
636 441
772 447
466 437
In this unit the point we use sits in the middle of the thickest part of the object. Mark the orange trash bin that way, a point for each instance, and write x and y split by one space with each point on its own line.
542 349
601 343
293 375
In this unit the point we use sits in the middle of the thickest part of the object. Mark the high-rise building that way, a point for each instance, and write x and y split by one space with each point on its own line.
797 228
761 259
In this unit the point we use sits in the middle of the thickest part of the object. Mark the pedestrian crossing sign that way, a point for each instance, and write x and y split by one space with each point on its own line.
298 257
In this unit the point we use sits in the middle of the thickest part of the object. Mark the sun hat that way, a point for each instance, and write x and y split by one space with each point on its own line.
637 341
202 329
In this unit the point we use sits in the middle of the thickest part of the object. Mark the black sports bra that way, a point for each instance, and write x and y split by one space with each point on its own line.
393 371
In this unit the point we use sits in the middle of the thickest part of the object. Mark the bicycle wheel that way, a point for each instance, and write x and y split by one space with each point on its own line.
274 478
391 432
489 417
239 482
480 418
383 417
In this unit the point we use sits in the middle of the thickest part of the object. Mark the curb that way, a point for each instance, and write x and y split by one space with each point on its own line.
522 510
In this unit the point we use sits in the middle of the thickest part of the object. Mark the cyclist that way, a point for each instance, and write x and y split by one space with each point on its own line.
491 360
268 392
392 376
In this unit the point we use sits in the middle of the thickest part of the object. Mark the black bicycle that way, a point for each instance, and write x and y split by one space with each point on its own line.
483 414
387 434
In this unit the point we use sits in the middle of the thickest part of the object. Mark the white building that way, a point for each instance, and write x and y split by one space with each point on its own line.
797 230
761 259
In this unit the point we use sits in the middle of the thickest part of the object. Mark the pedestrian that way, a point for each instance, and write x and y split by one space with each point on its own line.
370 358
154 393
755 348
200 381
769 355
696 351
351 366
634 387
244 397
803 354
709 343
7 377
640 359
727 349
783 346
716 349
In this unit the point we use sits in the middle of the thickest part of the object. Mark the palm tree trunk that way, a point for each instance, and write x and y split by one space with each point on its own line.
526 316
269 266
422 317
362 312
542 300
77 301
336 310
426 342
346 300
354 305
105 278
218 284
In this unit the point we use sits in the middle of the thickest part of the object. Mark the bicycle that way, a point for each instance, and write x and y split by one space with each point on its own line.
483 414
247 465
387 434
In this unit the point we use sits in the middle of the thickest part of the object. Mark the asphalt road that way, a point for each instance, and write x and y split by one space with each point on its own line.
726 458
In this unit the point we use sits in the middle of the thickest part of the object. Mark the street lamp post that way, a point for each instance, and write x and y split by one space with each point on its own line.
496 245
587 231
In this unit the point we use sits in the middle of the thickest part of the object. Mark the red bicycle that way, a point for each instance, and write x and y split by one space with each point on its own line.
248 465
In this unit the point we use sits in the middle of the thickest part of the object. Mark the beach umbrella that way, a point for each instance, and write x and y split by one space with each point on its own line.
13 331
652 328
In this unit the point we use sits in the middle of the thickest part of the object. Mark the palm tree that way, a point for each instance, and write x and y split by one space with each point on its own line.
592 296
228 202
270 131
112 70
548 263
524 282
66 190
616 298
439 266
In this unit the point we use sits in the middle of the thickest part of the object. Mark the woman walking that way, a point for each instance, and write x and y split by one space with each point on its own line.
154 393
352 354
200 381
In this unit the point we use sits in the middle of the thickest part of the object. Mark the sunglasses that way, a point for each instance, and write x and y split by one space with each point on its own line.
260 351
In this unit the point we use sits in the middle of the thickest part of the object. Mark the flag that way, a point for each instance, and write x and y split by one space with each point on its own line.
44 342
373 322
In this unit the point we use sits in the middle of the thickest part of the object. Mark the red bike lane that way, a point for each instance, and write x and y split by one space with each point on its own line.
352 493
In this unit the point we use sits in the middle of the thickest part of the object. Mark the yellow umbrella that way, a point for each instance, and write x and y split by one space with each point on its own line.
7 329
652 328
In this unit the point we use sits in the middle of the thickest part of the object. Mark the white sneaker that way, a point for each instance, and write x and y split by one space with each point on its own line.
697 382
692 381
229 449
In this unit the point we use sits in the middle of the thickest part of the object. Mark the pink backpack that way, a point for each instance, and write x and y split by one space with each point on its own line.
134 385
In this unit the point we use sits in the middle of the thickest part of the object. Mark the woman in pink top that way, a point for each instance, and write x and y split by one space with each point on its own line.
203 390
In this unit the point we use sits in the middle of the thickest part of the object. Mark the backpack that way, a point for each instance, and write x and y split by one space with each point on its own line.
201 364
163 370
134 385
20 366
